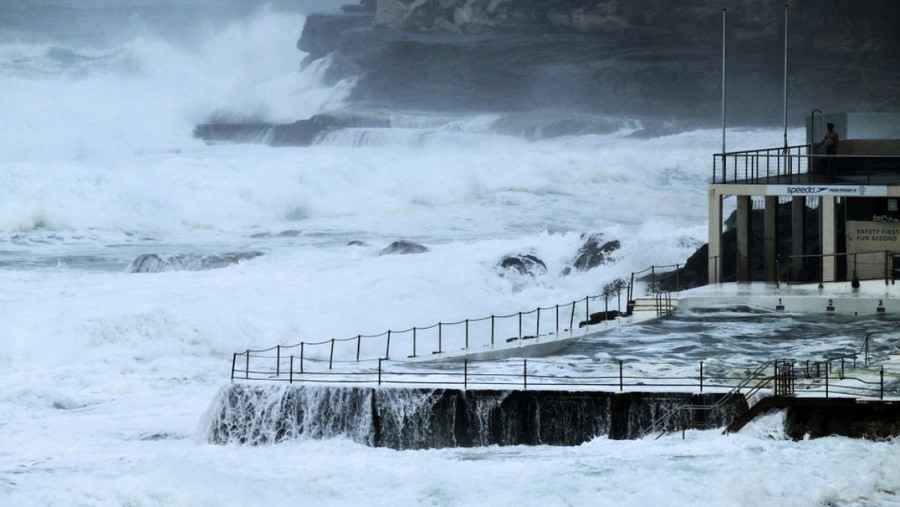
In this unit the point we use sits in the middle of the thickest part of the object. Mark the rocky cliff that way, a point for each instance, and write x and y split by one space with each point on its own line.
648 57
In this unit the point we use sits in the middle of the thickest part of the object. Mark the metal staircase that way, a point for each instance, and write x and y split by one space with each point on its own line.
754 383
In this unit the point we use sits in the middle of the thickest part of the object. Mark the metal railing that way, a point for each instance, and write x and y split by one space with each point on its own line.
473 334
858 266
785 164
482 333
787 376
296 371
755 166
784 379
282 364
655 277
664 306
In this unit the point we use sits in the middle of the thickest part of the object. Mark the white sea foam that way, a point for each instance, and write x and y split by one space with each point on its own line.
107 373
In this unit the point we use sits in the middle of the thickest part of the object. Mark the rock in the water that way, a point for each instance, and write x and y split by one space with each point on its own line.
524 264
594 253
403 247
153 263
356 242
298 133
147 263
288 233
545 125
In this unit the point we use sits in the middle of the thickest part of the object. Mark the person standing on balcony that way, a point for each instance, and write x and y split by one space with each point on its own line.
831 140
829 145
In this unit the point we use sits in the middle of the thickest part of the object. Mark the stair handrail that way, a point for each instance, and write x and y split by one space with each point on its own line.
754 375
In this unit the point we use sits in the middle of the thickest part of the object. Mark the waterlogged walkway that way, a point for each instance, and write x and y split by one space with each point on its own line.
694 351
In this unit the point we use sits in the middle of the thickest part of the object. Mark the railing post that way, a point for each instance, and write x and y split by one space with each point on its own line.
247 366
587 311
827 367
331 355
701 376
677 278
520 326
465 374
867 349
379 370
277 360
492 331
605 307
525 373
621 379
537 332
291 372
414 342
572 318
557 321
440 337
387 348
653 278
358 344
467 334
881 395
233 361
301 357
842 368
886 268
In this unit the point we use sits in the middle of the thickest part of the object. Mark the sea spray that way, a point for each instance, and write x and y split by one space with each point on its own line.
420 418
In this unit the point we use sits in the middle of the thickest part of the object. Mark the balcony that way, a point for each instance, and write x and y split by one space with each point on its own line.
858 162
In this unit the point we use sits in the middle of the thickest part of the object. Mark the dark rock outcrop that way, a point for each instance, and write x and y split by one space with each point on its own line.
436 418
649 58
403 247
322 32
153 263
299 133
595 252
287 233
545 125
524 264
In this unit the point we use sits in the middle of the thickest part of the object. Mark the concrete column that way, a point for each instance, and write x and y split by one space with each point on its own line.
829 239
771 236
798 232
744 208
715 236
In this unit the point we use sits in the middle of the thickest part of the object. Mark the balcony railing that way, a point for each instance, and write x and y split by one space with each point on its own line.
762 166
800 164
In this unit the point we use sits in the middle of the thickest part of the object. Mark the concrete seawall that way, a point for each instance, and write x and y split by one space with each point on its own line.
439 418
847 417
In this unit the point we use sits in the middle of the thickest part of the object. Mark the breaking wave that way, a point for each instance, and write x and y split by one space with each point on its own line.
146 95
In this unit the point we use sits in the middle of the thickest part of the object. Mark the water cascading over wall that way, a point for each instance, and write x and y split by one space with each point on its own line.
439 418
